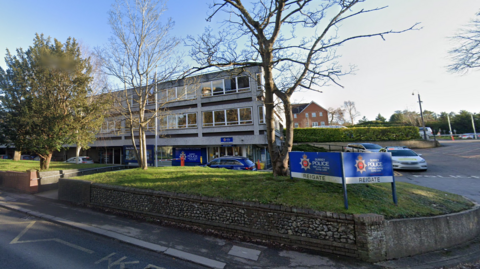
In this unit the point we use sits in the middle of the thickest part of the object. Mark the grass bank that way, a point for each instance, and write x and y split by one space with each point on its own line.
413 200
23 165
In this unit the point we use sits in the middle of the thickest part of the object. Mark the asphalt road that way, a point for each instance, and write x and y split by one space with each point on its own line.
27 242
454 167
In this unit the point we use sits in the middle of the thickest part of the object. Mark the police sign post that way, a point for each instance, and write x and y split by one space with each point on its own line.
344 168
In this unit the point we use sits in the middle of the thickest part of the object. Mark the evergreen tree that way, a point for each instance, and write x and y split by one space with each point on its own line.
43 89
380 118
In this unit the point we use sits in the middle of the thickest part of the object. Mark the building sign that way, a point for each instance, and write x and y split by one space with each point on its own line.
343 168
319 166
226 139
189 155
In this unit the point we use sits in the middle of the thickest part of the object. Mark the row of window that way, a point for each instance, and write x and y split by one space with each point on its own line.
226 117
210 88
314 115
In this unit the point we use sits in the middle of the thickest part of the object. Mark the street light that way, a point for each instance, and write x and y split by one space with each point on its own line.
421 114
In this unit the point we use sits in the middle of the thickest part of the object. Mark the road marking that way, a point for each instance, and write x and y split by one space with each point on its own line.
449 176
117 262
151 266
16 240
397 174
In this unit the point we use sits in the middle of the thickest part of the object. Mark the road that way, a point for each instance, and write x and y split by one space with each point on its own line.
27 242
454 167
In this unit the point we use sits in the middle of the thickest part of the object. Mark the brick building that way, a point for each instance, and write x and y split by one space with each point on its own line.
309 115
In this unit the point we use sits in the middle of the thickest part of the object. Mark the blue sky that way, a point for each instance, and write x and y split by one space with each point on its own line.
387 71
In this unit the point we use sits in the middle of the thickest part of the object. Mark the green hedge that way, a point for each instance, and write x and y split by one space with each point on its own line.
355 134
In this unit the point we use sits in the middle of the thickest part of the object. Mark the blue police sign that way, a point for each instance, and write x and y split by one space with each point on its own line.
367 167
320 166
226 139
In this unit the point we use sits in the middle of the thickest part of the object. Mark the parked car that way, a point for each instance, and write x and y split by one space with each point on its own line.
428 131
469 136
363 147
82 159
234 163
4 156
26 157
406 159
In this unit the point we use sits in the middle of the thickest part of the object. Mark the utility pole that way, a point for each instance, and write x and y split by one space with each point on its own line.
473 125
450 126
421 114
156 118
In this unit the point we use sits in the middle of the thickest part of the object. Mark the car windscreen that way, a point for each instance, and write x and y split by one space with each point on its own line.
396 153
372 146
249 163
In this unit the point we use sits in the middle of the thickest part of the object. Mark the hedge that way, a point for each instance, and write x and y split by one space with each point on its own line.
355 134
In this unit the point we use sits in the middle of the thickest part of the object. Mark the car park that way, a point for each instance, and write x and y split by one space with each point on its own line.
4 156
406 159
363 147
82 159
231 162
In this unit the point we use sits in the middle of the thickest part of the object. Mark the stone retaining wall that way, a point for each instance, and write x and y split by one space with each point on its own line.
366 236
22 181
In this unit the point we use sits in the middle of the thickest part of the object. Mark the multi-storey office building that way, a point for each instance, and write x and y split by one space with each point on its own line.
211 115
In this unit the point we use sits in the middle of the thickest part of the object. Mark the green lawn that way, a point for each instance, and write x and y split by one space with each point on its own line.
262 187
22 166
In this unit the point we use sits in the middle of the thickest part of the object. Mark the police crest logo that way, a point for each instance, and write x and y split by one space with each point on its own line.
360 165
182 155
304 162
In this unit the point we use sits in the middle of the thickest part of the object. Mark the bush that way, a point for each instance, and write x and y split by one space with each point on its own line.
308 148
355 134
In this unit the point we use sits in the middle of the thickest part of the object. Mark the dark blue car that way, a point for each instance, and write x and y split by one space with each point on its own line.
234 163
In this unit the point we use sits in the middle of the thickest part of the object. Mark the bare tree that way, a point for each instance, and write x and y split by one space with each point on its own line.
351 111
289 62
336 116
139 44
467 54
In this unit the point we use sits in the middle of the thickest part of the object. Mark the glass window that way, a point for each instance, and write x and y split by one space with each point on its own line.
206 88
230 85
182 121
314 115
162 96
294 116
306 115
172 121
322 123
181 93
208 118
171 94
192 91
217 86
219 118
243 84
314 124
232 116
261 115
163 122
296 125
321 114
245 115
192 120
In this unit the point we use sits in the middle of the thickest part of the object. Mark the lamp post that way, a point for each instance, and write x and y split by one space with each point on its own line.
421 114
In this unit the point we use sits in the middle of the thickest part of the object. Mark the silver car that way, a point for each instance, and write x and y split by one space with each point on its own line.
363 147
406 159
82 159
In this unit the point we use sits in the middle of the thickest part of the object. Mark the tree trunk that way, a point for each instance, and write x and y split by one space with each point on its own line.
45 162
16 155
77 153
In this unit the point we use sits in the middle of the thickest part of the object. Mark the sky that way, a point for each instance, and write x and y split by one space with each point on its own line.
387 72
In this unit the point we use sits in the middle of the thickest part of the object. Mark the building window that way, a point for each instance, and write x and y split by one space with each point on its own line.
314 124
306 115
111 126
236 116
322 123
321 114
314 115
179 121
177 94
225 86
296 125
294 116
261 115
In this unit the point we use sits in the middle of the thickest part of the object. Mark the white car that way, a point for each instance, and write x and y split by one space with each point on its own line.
428 132
406 159
363 147
82 159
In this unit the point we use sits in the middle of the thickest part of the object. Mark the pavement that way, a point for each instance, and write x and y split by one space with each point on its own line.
208 251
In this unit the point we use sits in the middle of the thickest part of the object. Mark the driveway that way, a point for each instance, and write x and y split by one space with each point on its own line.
453 167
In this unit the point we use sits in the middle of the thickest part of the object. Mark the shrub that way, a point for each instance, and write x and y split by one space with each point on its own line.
355 134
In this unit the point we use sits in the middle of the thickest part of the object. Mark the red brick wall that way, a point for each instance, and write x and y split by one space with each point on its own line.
304 122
